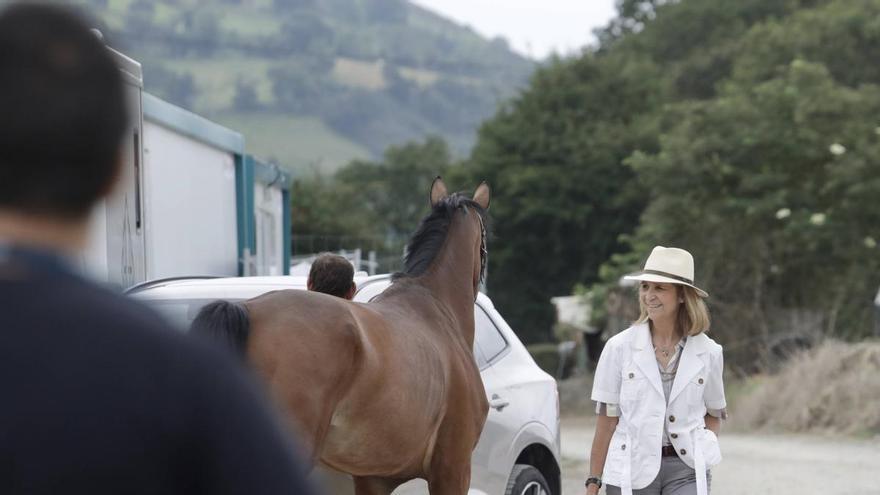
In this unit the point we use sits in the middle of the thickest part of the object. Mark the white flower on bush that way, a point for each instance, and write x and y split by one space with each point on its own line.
817 219
870 243
837 149
877 130
783 213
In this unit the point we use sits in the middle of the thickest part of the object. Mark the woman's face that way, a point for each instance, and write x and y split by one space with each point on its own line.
660 300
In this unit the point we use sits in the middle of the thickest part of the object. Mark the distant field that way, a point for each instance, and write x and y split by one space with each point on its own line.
367 75
298 143
248 22
215 79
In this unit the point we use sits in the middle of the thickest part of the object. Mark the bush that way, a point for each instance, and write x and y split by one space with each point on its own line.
547 357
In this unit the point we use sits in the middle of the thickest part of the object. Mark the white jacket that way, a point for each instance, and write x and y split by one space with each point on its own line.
627 374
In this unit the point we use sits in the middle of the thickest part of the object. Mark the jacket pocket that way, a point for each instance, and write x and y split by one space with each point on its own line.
696 389
632 385
709 445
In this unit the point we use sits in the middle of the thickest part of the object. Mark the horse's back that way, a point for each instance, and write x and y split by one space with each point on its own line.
380 384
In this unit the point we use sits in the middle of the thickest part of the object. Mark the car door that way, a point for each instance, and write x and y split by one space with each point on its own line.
490 464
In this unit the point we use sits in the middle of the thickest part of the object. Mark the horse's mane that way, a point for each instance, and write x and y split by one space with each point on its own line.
427 241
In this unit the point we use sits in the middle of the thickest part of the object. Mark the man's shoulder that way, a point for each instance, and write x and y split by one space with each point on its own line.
119 323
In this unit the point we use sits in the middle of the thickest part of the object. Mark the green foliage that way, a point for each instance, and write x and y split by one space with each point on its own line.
769 184
746 132
546 357
553 158
768 179
375 204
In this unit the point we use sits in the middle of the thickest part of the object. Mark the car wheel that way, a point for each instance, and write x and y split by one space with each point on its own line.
526 480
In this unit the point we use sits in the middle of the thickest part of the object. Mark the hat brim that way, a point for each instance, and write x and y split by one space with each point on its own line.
651 277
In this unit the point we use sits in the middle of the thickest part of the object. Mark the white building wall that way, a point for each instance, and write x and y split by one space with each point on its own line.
190 206
268 204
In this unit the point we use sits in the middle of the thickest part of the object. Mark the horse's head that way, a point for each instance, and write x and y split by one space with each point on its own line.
474 228
450 243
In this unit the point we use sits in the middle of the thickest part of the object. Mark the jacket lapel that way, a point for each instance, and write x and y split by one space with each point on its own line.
689 364
643 355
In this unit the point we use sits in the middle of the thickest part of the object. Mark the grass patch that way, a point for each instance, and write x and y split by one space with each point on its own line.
215 79
250 23
299 144
359 73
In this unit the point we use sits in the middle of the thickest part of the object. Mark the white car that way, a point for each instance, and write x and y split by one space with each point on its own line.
518 452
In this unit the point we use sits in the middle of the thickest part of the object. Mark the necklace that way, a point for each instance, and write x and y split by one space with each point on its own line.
663 351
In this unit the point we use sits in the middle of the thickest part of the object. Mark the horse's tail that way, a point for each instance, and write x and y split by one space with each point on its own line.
225 323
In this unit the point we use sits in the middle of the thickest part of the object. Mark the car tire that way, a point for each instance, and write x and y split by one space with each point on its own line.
526 480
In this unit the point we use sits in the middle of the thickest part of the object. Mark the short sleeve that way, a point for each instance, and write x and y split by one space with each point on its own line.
606 382
610 410
714 393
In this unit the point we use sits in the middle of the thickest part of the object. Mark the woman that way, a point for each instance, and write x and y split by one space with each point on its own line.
658 388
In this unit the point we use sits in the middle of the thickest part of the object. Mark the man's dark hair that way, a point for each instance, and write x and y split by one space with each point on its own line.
62 112
331 274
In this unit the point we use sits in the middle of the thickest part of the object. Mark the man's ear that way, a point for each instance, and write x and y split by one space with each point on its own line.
309 284
350 294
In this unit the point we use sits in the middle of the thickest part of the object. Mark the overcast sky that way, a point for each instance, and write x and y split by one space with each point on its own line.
534 28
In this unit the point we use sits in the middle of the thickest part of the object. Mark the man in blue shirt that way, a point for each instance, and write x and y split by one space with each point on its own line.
97 395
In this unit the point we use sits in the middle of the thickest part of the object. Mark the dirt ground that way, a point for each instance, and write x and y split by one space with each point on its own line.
758 464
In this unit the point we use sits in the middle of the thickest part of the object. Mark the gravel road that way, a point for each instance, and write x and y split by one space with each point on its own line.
758 464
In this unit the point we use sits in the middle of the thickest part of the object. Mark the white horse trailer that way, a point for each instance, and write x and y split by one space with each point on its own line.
189 200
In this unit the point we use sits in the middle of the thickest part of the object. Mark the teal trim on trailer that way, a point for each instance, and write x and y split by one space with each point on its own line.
192 125
287 232
244 206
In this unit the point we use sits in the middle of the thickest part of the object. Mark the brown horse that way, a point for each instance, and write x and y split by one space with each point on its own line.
386 391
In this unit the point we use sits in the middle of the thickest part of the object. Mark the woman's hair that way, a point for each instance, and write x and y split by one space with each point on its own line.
693 315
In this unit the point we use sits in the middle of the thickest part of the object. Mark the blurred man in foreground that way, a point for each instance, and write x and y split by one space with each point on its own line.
332 274
99 397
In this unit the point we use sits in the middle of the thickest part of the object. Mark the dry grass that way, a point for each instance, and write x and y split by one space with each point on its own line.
834 388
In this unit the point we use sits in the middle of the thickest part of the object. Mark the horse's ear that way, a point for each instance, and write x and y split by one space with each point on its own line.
438 191
481 195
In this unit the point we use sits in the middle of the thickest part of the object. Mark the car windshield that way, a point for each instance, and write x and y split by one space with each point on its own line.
179 312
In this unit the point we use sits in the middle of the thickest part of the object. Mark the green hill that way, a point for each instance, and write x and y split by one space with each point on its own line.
317 82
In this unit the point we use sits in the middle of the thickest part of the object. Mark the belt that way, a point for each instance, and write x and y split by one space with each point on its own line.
668 451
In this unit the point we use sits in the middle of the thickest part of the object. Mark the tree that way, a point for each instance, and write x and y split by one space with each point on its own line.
560 194
767 186
245 96
394 191
375 205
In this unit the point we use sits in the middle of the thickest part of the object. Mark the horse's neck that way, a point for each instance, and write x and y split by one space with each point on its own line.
450 279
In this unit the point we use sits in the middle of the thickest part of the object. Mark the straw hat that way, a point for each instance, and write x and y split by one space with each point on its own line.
670 265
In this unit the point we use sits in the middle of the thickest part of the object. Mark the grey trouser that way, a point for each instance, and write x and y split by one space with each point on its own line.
674 478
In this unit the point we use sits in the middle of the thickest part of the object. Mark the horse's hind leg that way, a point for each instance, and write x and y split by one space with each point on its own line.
454 481
369 485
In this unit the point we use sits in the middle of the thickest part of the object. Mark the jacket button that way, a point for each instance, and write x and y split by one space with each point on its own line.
623 447
700 381
632 375
674 435
683 452
672 419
